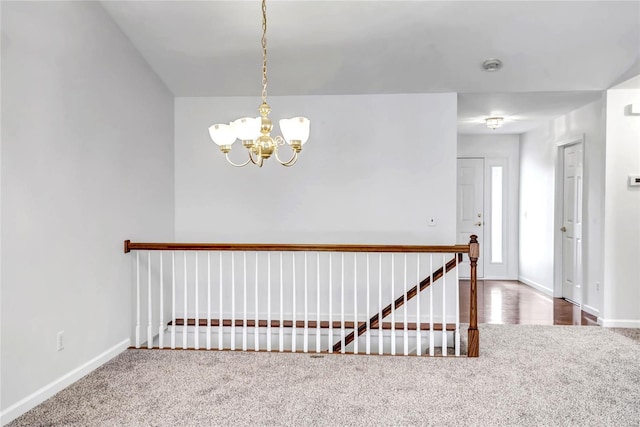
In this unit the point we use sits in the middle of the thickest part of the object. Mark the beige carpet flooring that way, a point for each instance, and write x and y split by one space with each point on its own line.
525 376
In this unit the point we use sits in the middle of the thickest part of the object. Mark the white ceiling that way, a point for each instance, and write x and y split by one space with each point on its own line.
522 112
212 48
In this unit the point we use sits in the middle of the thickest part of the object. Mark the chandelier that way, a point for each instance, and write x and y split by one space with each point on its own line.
255 133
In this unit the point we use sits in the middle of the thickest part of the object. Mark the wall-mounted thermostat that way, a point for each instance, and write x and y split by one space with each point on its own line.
634 181
632 110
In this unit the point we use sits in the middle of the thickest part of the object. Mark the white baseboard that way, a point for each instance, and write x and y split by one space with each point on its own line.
591 310
618 323
499 278
44 393
375 334
537 286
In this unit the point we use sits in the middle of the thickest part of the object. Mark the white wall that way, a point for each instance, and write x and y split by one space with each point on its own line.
621 302
376 167
87 161
498 148
537 188
538 163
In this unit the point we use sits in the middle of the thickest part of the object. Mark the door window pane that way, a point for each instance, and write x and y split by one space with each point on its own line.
496 214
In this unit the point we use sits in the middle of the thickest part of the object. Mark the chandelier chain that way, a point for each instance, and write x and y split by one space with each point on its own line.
264 51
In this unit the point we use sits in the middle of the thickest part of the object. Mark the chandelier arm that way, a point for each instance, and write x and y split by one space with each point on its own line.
289 162
256 162
292 161
236 164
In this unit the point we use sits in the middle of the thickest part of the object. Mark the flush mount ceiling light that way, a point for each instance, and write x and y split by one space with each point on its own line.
494 122
255 132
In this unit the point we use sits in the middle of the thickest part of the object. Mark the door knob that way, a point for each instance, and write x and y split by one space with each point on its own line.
563 229
478 224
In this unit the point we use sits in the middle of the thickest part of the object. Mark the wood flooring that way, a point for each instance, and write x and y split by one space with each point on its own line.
514 303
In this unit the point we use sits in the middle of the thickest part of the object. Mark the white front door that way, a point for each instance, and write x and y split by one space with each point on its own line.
470 207
572 223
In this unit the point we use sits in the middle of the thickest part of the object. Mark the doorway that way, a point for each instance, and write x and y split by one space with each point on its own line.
470 205
484 194
570 188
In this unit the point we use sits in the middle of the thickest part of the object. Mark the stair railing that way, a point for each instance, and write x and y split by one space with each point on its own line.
309 298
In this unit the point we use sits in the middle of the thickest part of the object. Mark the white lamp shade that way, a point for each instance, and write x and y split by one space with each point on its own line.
247 128
295 129
222 134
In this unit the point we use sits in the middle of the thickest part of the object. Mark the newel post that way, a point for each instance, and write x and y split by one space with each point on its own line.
474 335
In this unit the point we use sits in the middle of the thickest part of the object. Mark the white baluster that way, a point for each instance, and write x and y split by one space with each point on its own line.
355 302
406 321
330 332
418 317
444 306
457 333
208 300
149 308
185 316
220 313
318 336
197 298
368 333
305 345
233 301
380 338
244 305
432 335
173 300
161 327
137 299
281 329
268 301
393 304
256 328
342 326
293 295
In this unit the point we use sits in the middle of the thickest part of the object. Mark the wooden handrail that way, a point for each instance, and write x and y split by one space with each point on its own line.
265 247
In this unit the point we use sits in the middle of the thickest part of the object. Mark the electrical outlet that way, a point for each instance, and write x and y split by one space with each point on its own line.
60 341
597 286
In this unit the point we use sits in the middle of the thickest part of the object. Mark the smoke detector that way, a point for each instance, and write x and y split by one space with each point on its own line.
492 64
